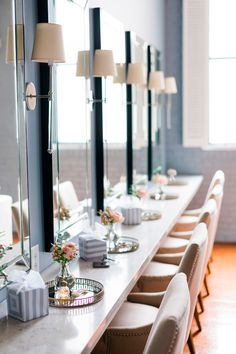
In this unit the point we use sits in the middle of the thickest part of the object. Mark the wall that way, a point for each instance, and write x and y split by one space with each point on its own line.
191 160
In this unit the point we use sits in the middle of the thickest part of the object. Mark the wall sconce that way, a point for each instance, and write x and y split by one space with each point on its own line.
170 89
48 48
103 66
120 77
136 76
10 46
156 83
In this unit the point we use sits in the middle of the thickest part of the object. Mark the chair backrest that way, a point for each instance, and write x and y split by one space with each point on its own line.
68 196
218 178
16 216
168 332
193 265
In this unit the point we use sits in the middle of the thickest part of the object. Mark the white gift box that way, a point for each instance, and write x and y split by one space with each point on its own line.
27 296
27 304
133 216
91 248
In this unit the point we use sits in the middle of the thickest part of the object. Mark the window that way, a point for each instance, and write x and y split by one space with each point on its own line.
222 72
209 72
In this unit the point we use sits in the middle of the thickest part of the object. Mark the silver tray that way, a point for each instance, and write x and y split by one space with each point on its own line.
150 215
163 196
85 292
124 244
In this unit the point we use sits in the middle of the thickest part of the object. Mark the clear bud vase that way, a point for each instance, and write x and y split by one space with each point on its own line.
65 278
111 237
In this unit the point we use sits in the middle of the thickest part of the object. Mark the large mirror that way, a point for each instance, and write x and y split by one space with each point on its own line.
71 125
114 109
14 223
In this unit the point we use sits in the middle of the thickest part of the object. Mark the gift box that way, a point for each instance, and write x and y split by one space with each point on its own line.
27 296
91 248
133 216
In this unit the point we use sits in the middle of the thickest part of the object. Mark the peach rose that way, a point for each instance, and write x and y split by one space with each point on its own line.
117 217
159 179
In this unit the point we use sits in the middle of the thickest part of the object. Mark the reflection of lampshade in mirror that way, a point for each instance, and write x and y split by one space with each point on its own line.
156 81
103 64
135 74
10 47
170 85
120 78
48 44
83 64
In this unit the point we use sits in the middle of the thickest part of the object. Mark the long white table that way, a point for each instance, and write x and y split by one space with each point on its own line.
73 331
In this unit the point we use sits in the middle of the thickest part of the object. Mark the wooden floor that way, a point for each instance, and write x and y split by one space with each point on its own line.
218 321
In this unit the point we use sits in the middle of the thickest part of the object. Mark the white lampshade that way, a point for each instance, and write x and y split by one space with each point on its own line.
136 74
83 64
120 78
156 81
103 64
48 44
170 85
10 47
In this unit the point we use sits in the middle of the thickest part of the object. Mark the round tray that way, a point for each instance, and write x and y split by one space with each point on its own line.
163 196
150 215
177 182
124 245
85 292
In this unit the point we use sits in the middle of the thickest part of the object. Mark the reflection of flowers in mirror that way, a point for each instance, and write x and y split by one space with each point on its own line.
160 179
171 172
64 213
138 192
3 248
109 217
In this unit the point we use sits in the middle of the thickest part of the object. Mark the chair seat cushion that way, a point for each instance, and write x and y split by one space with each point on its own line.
128 331
186 235
173 245
186 223
132 316
157 276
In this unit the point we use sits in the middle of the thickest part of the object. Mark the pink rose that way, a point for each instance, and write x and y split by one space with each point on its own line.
160 179
117 217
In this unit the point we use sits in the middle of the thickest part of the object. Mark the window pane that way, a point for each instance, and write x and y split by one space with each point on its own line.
222 28
222 101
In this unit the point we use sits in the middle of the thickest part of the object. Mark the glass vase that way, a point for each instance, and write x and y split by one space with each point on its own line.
111 237
65 278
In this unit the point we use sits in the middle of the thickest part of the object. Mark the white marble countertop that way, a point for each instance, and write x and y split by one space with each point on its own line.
70 331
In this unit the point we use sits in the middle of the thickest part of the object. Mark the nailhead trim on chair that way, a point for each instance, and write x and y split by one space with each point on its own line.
114 333
173 340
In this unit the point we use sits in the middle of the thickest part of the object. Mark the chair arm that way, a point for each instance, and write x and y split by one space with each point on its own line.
153 299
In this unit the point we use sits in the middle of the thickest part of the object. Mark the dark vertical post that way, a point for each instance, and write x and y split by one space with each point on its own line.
47 172
97 119
149 150
129 147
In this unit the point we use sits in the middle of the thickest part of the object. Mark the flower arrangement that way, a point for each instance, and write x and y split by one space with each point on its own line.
63 213
109 217
137 192
160 179
64 252
172 173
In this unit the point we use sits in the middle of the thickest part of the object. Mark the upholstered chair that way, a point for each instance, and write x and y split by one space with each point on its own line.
157 275
139 328
68 198
16 212
218 178
180 240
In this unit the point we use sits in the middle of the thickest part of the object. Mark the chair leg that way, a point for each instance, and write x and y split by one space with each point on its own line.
208 268
206 286
196 316
200 302
191 344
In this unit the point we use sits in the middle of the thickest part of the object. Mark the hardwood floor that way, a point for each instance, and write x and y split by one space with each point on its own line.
218 321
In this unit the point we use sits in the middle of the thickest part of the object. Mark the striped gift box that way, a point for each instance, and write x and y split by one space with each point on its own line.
91 248
133 216
27 304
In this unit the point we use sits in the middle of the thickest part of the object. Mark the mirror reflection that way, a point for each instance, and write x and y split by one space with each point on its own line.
71 121
114 110
14 221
